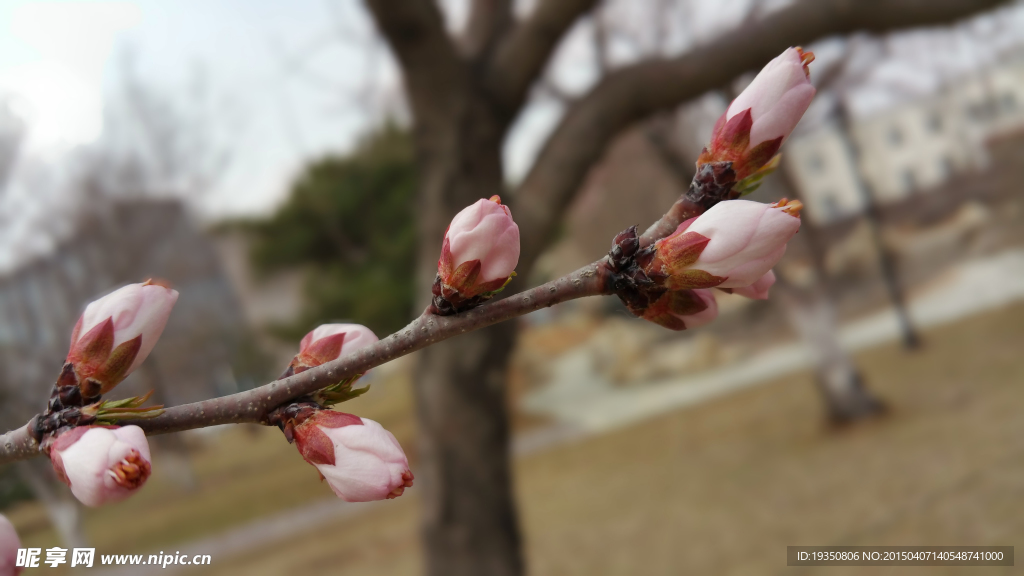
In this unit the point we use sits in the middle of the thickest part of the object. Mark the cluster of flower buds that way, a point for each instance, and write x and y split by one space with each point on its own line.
478 256
9 545
733 247
102 462
724 242
358 458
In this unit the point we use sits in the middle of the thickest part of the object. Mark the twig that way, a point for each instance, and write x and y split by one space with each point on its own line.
252 406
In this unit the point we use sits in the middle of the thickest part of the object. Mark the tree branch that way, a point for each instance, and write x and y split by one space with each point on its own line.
521 56
488 21
431 66
634 92
252 406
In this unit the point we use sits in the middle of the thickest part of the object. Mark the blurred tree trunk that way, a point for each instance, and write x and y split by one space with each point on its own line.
811 311
469 521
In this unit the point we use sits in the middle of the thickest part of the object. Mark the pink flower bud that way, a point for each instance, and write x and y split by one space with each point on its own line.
102 464
9 544
682 309
329 342
754 126
117 332
480 250
758 290
732 245
360 460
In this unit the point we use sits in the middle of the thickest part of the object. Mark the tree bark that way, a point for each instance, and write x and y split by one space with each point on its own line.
469 523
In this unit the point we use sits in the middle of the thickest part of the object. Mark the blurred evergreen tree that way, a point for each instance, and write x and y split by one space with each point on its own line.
350 222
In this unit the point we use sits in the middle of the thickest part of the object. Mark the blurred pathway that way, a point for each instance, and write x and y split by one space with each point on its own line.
582 400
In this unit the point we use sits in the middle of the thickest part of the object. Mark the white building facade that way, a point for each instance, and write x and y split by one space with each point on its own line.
907 148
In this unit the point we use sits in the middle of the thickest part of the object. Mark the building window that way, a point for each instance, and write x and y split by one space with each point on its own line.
895 136
934 122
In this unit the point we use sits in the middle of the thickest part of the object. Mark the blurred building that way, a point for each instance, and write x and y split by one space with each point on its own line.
117 243
910 147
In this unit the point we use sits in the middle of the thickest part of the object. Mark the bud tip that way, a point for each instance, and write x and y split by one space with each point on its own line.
805 59
791 207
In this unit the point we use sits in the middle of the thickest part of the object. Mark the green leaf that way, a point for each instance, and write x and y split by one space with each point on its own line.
111 411
753 182
340 392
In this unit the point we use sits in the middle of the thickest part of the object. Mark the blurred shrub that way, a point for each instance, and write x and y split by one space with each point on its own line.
350 221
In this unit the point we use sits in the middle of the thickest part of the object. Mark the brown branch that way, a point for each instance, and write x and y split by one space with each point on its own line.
521 56
431 66
635 92
600 41
252 406
488 21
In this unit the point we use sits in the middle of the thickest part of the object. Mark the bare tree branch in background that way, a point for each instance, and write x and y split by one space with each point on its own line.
526 50
160 143
488 21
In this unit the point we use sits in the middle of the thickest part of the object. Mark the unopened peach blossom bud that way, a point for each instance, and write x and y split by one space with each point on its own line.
479 253
102 464
757 122
732 245
360 460
329 342
116 333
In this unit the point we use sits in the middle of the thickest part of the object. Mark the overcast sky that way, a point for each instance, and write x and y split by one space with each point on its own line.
289 75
